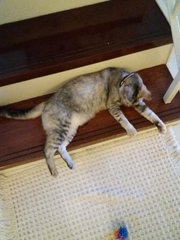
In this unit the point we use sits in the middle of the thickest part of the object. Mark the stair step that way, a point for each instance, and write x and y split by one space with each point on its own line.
78 37
22 141
49 84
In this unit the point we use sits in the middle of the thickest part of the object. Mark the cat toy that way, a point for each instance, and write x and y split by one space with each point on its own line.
122 233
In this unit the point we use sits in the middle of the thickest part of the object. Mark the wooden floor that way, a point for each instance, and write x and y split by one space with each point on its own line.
22 141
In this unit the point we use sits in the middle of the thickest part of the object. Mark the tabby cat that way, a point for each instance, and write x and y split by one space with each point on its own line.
78 100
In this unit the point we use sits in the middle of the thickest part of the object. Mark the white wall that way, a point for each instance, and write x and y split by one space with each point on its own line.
15 10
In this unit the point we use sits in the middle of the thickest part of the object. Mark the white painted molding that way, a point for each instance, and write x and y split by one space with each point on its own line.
171 9
173 89
172 63
176 8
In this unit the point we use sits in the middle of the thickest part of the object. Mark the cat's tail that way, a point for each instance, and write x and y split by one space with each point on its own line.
23 114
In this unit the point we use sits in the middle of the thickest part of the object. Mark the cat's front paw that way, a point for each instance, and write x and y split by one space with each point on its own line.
71 164
131 131
54 172
161 127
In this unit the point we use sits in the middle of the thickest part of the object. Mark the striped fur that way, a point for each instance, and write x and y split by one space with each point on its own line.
78 100
23 114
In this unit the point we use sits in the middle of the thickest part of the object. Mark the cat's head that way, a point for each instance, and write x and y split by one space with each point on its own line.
132 89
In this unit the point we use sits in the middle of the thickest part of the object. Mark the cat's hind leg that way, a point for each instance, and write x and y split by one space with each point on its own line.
62 147
49 152
65 156
56 141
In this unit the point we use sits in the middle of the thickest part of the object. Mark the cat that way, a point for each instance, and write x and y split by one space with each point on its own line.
79 99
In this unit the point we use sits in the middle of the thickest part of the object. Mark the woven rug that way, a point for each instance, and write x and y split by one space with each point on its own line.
131 180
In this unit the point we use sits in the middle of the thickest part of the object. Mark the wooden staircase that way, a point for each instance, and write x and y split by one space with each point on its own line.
75 38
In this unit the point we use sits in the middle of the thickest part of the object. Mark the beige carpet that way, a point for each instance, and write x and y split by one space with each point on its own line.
132 180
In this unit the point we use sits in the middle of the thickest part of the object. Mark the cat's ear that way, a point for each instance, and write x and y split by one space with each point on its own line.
145 93
128 93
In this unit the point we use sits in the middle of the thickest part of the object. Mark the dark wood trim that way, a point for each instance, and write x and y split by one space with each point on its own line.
78 37
22 141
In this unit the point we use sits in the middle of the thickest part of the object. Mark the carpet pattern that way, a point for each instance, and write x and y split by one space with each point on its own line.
132 180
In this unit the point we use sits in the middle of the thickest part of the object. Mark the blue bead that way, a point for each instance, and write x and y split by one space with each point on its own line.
123 232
